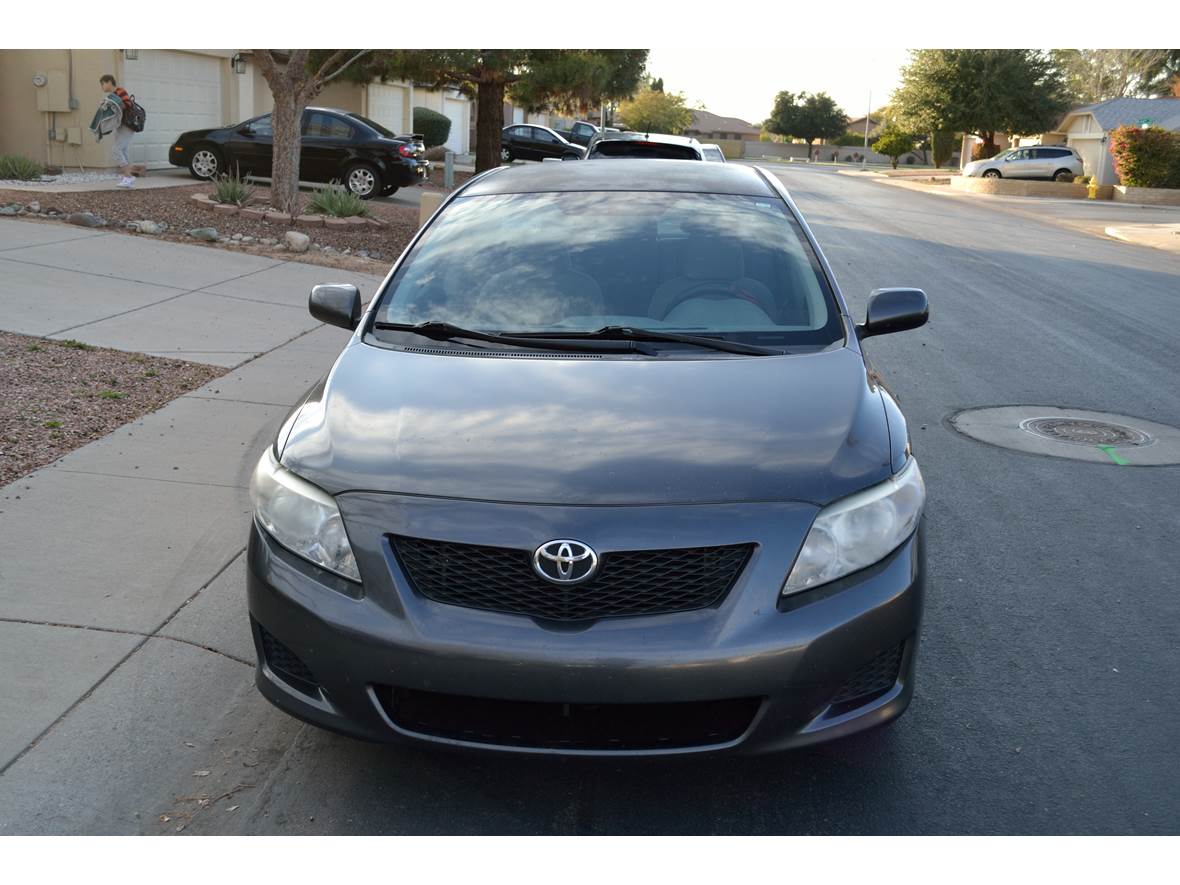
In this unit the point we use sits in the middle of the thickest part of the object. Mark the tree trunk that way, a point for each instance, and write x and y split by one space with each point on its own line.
893 160
489 123
286 119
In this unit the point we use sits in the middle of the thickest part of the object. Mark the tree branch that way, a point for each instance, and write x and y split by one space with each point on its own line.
327 64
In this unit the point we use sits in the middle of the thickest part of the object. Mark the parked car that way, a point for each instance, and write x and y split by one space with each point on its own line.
580 133
1056 162
336 146
644 144
602 470
712 153
528 141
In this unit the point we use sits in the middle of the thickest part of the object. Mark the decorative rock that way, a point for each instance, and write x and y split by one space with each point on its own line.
146 227
236 237
277 217
310 220
336 223
268 241
208 234
247 239
85 219
253 214
296 241
34 206
225 208
9 210
53 210
362 253
203 198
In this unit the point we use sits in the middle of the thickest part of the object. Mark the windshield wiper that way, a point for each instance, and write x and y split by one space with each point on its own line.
628 333
443 331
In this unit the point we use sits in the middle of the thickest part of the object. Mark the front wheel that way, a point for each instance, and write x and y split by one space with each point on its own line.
506 155
204 164
363 180
992 173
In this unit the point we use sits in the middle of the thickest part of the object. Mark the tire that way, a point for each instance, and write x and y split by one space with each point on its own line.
205 164
389 190
363 180
992 173
506 155
1063 175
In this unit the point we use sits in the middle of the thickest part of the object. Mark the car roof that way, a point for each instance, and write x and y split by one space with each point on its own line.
623 174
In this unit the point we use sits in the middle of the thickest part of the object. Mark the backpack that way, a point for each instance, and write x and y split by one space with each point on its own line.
134 116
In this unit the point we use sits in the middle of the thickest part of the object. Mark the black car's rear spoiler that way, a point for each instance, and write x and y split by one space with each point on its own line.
418 137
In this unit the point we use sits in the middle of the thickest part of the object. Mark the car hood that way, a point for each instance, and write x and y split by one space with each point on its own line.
592 431
194 134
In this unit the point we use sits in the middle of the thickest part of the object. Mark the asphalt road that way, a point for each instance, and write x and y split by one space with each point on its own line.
1048 693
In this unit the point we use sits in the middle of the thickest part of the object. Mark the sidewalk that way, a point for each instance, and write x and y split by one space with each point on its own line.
1159 236
122 597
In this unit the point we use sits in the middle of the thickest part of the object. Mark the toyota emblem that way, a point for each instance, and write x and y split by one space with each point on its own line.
565 562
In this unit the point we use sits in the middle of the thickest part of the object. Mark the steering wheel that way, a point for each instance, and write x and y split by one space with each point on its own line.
717 290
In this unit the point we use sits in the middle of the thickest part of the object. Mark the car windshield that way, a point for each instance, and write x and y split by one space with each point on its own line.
1002 155
618 147
372 124
721 264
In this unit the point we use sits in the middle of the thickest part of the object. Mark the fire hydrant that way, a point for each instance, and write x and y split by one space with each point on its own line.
1092 189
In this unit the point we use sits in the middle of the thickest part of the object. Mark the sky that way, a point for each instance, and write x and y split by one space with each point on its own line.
743 82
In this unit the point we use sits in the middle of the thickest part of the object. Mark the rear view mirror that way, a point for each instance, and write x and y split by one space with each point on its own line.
894 310
338 304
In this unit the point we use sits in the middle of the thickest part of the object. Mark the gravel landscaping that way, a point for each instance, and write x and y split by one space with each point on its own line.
59 395
369 249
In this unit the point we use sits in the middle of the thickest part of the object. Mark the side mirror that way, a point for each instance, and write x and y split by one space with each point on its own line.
246 131
337 304
894 310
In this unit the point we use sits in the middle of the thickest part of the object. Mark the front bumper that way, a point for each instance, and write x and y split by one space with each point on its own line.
361 647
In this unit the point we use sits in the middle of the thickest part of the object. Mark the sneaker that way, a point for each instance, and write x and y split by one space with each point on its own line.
127 181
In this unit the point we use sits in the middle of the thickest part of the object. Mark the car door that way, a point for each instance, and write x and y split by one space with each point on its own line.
520 143
1021 164
546 144
250 147
327 142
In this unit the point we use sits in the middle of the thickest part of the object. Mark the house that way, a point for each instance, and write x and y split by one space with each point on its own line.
1088 129
709 127
50 95
858 126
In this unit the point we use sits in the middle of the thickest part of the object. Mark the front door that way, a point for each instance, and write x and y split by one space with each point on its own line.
250 148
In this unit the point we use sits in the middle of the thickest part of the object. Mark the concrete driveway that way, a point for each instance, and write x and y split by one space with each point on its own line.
121 563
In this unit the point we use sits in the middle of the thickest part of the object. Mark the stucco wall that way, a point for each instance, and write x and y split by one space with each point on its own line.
25 129
1151 196
1022 188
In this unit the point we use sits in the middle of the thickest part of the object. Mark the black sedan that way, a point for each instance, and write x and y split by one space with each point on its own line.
624 486
337 146
527 141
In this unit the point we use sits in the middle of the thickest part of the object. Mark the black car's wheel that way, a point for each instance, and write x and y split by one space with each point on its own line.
389 190
205 163
506 155
1063 175
363 180
992 173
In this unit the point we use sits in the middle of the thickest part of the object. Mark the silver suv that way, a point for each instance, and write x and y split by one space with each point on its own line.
1057 162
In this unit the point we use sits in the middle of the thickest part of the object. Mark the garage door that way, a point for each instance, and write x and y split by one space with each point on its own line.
180 91
457 113
387 105
1091 151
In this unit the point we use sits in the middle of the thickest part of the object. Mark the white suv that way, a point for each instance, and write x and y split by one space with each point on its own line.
1057 162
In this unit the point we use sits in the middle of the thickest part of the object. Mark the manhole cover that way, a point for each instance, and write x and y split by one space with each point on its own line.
1077 434
1084 432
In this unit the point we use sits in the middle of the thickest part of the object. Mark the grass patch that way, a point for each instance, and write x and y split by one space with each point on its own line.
150 373
75 345
16 168
34 348
52 425
111 394
336 200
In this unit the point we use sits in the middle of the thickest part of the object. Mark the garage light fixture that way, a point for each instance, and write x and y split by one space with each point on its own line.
239 63
131 54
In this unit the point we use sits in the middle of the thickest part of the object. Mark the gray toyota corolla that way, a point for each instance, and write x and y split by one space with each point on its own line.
601 471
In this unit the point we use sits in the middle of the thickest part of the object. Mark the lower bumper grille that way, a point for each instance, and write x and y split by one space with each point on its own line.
871 680
630 582
539 725
287 665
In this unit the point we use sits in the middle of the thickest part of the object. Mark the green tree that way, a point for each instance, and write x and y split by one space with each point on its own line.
657 85
805 116
893 141
943 142
980 92
1093 75
652 111
1163 77
563 79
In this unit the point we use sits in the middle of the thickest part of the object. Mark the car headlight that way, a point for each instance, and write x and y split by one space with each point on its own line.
301 517
859 530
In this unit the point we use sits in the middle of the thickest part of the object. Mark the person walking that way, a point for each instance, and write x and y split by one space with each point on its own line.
115 102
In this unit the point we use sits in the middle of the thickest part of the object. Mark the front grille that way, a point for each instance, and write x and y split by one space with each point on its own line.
541 725
873 679
285 664
633 582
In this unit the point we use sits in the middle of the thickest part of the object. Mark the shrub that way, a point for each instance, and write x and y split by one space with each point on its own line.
436 153
336 200
435 128
909 161
943 145
17 168
1146 157
894 142
985 150
849 139
234 189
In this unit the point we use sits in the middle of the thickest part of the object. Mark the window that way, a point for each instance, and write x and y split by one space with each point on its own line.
657 150
374 125
519 131
544 137
321 125
261 126
736 266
